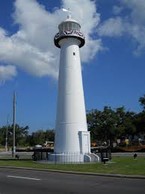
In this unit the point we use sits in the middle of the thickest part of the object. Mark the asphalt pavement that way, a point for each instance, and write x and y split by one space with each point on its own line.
23 181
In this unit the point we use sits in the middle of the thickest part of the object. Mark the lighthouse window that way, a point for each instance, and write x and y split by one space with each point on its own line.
69 26
76 26
64 26
73 26
74 53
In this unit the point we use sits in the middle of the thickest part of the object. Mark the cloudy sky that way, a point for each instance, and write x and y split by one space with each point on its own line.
113 58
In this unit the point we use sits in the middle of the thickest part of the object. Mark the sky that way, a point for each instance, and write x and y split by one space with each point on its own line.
113 58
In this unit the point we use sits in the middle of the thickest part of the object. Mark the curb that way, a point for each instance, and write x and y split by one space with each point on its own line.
78 173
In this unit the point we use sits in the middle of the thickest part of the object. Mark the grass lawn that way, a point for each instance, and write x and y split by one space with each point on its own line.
118 165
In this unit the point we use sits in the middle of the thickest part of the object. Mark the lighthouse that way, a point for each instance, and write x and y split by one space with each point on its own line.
72 138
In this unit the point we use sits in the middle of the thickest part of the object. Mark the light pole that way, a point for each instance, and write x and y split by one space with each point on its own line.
14 123
6 142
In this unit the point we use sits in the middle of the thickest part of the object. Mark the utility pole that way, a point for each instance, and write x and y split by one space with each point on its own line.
6 143
14 123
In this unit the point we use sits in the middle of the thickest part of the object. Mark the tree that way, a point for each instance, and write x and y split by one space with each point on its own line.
49 134
41 136
102 125
140 122
3 135
93 123
109 124
142 101
21 134
125 123
140 117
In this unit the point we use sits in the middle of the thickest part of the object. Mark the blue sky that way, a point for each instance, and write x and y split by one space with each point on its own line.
113 59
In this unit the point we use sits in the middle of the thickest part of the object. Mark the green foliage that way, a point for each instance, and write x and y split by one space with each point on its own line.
106 125
21 135
140 122
3 135
41 136
142 101
109 124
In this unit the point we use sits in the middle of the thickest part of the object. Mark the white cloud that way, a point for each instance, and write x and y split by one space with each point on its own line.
131 23
32 49
25 56
112 27
7 72
137 9
117 9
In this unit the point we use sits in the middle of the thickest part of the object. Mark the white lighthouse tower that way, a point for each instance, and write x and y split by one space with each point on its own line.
72 138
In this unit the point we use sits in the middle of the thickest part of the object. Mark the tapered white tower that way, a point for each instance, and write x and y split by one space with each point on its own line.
72 139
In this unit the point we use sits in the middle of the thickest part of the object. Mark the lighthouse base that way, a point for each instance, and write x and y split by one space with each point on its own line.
73 158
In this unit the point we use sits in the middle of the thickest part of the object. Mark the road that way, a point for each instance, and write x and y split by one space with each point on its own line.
21 181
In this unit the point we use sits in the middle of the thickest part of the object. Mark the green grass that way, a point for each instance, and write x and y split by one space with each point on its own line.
118 165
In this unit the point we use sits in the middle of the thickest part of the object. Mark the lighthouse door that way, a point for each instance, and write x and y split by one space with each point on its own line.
84 137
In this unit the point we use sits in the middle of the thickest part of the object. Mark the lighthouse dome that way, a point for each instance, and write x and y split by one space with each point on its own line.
68 25
69 28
